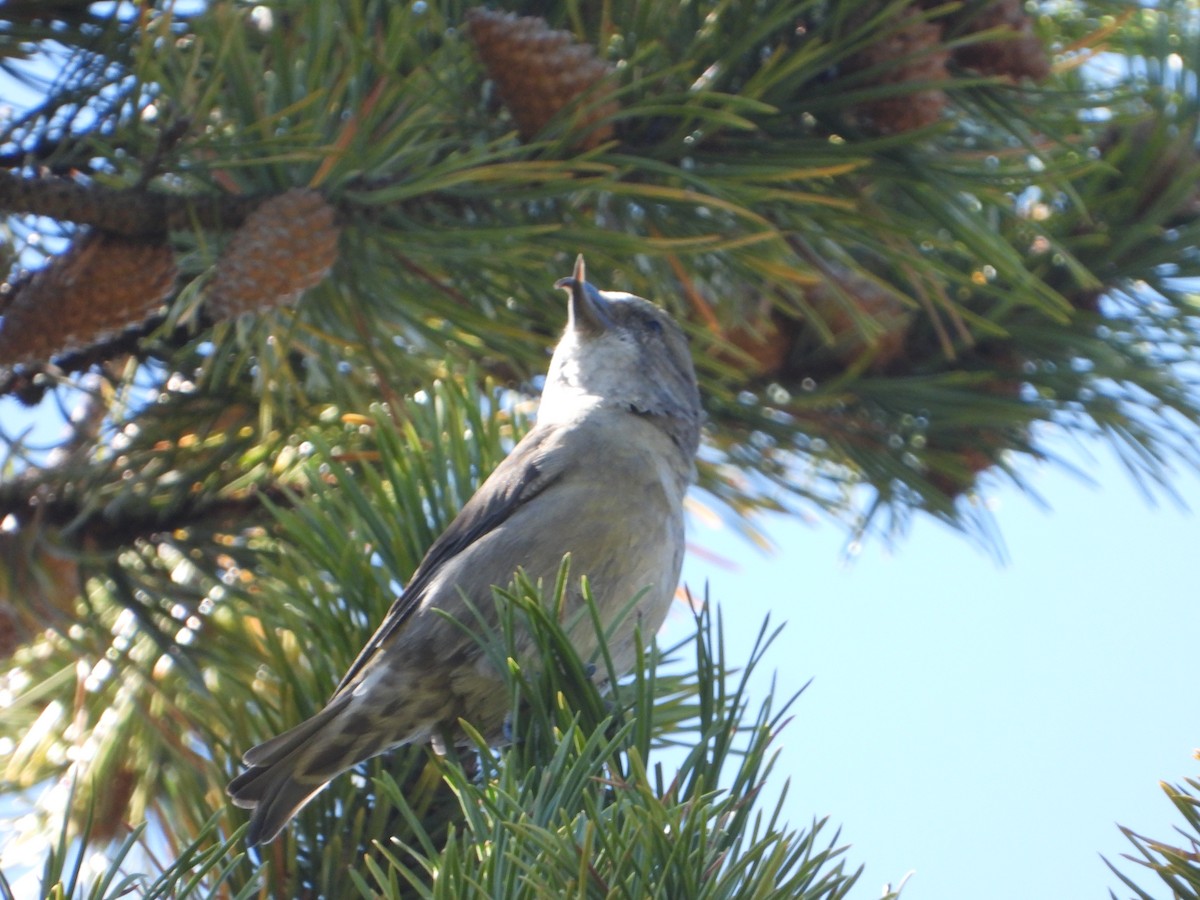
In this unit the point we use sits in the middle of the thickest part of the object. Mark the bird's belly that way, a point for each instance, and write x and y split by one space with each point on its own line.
627 539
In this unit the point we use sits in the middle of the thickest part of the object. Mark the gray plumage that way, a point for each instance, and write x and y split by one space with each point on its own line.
602 476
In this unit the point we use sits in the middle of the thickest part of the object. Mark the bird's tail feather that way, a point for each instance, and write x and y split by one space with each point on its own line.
282 776
282 796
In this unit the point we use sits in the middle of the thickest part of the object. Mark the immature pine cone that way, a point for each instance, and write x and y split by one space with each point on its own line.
285 246
538 71
909 54
853 298
1020 54
101 285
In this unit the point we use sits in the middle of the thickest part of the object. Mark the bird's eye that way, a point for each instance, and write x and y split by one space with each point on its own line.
654 326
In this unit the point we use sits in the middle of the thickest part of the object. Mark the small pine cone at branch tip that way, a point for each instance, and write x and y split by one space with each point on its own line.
286 245
862 318
39 587
99 286
913 54
538 71
1017 52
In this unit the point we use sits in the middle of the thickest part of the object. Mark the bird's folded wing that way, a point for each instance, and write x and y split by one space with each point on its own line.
531 468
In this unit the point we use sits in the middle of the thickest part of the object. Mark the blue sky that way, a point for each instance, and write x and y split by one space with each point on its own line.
985 725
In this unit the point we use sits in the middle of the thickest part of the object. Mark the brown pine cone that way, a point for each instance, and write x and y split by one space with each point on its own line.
1019 54
861 319
285 246
101 285
844 305
39 585
538 71
910 53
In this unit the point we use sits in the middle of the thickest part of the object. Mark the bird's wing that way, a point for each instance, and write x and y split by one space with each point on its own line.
526 472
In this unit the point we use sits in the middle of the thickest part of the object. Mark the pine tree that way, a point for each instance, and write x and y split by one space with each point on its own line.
1175 863
289 266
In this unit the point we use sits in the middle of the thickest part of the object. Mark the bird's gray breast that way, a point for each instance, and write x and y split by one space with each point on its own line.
616 506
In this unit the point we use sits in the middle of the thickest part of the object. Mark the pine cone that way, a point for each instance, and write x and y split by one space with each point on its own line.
285 246
38 588
111 799
912 52
974 449
13 633
538 71
886 342
1154 162
1021 55
777 345
765 340
101 285
959 470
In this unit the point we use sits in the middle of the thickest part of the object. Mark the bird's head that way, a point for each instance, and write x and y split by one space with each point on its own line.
620 351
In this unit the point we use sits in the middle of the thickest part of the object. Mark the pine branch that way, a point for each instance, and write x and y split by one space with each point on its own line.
1176 863
29 503
129 212
29 383
58 157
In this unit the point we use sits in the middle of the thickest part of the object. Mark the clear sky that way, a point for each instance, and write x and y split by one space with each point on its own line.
985 725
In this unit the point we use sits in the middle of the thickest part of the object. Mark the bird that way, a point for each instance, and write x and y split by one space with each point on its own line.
601 476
